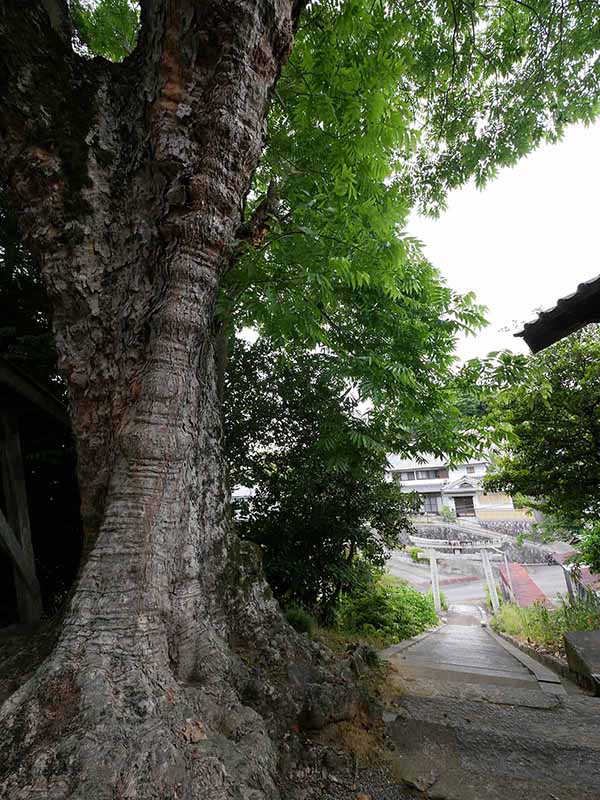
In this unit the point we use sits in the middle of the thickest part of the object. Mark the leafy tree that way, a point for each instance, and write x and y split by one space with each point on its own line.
108 28
554 435
130 184
319 530
322 510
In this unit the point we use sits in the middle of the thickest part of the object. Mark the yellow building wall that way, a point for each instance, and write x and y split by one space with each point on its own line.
510 514
494 499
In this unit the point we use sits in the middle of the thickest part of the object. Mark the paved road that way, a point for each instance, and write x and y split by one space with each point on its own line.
401 566
550 579
418 575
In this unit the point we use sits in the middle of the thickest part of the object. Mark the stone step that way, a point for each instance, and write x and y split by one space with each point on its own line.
460 674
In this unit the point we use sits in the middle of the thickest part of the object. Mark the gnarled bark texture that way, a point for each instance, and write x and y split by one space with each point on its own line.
129 180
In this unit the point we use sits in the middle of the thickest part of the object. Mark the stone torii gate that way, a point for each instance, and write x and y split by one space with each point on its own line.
20 396
459 551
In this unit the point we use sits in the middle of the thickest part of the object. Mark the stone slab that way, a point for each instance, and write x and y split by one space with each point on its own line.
470 647
463 675
583 656
421 685
542 673
401 646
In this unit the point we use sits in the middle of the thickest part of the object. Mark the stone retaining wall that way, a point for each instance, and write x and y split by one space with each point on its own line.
444 532
511 527
527 553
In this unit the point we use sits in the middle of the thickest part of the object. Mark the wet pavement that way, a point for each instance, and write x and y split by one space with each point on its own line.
466 650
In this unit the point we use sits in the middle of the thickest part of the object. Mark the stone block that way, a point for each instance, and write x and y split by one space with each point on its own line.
583 655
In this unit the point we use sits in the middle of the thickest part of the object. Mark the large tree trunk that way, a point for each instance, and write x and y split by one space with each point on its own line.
129 181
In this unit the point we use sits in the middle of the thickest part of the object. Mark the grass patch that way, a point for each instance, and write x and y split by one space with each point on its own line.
339 640
545 627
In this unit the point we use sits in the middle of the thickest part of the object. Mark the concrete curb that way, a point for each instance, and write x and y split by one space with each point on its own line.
547 680
555 664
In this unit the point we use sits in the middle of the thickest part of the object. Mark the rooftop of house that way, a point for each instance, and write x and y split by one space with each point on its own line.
396 462
568 315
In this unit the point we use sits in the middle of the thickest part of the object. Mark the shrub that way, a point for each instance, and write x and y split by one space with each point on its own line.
321 504
447 514
488 597
299 618
443 600
392 612
413 552
545 627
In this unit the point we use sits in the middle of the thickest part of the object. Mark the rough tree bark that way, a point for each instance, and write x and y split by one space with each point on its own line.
129 180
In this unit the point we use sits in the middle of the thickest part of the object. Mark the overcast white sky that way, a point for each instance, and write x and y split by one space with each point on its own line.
524 241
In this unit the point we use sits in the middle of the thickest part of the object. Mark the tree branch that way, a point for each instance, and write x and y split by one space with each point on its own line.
254 231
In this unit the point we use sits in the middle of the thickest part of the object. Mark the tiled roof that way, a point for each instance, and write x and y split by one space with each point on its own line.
568 315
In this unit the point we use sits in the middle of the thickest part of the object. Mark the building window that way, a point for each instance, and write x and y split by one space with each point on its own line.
431 503
470 469
424 474
408 475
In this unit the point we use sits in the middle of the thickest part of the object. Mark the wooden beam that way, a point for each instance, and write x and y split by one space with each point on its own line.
10 544
25 387
489 575
16 522
458 557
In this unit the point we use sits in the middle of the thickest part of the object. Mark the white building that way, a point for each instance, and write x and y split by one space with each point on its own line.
458 488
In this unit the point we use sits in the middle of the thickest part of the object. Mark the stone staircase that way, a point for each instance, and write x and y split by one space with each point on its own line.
474 719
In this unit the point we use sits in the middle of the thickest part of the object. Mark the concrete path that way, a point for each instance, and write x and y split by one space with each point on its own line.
550 579
462 652
471 722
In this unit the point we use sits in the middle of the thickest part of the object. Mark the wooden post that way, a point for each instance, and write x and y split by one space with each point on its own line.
435 582
569 584
509 576
17 515
489 575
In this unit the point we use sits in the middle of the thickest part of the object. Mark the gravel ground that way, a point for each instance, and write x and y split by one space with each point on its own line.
375 783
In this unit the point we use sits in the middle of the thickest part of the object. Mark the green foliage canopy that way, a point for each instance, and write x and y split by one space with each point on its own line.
322 511
384 107
107 28
551 420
